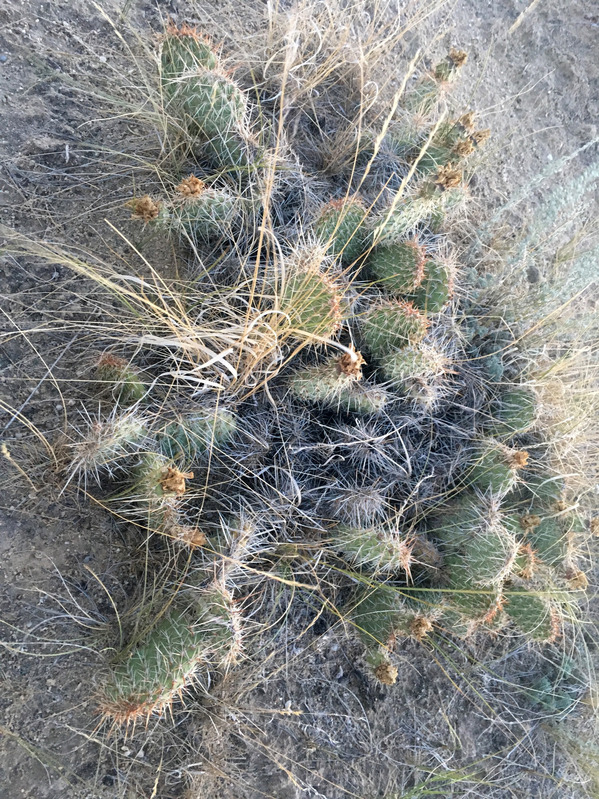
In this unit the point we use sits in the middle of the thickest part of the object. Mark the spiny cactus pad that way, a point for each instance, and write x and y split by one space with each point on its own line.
313 303
391 326
379 548
536 617
331 385
413 363
514 412
494 467
163 663
399 268
206 215
121 379
340 222
197 432
183 50
435 289
475 530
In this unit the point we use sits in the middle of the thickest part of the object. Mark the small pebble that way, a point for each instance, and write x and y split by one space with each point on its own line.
3 58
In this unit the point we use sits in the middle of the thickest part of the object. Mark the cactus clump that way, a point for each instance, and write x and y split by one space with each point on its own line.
318 461
398 267
123 380
336 384
196 433
340 225
391 326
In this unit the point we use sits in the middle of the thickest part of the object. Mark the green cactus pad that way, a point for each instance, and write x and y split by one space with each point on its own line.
195 433
378 548
313 303
398 267
431 200
162 665
474 602
392 326
377 615
123 380
340 222
494 467
329 385
536 617
436 288
484 550
183 51
207 215
411 367
106 444
149 474
433 157
216 108
424 96
214 102
514 412
553 539
155 673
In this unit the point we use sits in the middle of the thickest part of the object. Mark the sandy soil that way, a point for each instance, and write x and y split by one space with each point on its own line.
535 80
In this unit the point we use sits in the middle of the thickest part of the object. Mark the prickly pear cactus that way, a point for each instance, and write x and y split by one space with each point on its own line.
322 374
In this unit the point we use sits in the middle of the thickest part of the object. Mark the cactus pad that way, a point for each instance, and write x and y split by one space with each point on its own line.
391 326
399 268
340 225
